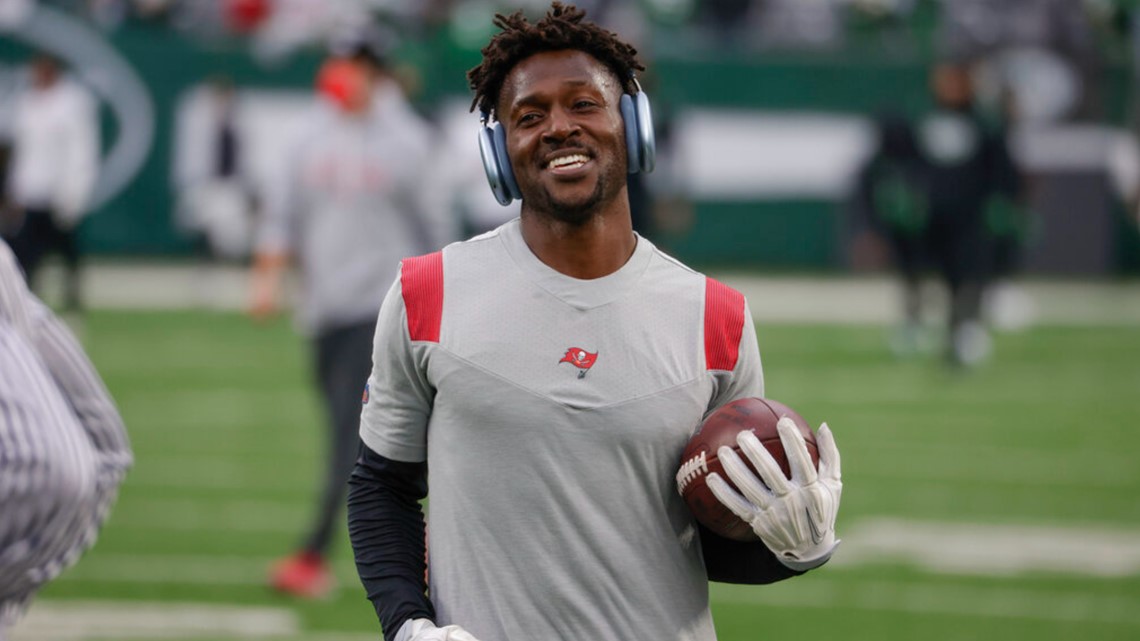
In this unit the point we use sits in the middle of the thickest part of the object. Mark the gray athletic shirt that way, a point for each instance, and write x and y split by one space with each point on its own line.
350 199
552 413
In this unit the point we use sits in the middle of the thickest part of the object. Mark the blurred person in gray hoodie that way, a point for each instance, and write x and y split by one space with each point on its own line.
352 198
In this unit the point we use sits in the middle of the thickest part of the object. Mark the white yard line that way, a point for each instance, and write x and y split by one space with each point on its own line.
937 598
1026 468
169 569
184 569
856 299
876 299
934 546
940 548
205 472
143 621
992 550
231 515
90 620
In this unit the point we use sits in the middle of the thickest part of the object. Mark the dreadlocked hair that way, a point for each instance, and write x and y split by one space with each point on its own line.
562 28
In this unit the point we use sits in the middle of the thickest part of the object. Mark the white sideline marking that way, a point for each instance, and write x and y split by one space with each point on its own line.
84 620
943 548
212 473
864 299
183 569
952 462
194 515
170 569
934 598
992 550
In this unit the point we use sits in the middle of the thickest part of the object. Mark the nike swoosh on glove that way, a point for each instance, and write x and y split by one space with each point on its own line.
425 630
794 517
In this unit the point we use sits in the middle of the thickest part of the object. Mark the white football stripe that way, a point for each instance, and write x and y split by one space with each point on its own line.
992 550
207 514
79 621
928 597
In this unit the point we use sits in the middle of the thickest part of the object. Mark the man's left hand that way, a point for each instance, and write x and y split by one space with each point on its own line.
794 517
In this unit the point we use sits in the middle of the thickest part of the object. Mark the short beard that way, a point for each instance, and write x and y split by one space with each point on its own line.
609 185
574 214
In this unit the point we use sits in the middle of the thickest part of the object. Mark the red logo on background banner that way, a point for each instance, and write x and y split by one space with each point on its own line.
579 358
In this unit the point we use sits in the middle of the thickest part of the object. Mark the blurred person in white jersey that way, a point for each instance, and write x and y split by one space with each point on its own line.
543 380
353 196
63 448
54 166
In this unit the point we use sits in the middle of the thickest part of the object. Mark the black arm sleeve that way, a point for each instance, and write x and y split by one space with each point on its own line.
729 561
386 526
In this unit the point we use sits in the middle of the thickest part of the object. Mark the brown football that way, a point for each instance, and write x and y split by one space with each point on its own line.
720 428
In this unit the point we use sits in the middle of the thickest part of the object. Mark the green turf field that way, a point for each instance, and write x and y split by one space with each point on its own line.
999 504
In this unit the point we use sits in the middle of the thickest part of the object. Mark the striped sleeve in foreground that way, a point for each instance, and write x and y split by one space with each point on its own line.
14 294
49 492
63 447
85 392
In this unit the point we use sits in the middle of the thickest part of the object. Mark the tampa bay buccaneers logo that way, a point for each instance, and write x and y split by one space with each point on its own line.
579 358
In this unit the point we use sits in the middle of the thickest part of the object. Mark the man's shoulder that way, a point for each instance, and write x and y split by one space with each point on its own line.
459 255
673 273
478 247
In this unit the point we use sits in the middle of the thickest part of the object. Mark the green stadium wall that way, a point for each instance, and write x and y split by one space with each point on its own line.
799 234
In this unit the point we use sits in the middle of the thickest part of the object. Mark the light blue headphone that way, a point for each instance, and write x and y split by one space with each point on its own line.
641 147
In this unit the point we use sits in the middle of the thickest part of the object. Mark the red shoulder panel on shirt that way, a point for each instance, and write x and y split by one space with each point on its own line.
724 324
421 281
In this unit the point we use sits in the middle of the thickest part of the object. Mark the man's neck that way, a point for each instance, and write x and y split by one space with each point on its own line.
596 248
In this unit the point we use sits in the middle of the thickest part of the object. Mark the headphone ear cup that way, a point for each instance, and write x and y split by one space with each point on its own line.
632 145
491 166
646 138
499 135
492 143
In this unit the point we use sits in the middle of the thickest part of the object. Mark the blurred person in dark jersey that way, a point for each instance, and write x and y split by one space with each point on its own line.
938 188
353 197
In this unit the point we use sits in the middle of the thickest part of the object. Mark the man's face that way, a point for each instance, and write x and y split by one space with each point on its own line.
565 136
44 73
347 83
952 86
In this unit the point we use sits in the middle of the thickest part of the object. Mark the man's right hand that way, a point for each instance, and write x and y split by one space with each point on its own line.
425 630
265 283
262 302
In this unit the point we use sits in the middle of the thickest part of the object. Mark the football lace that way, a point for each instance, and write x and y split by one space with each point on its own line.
690 470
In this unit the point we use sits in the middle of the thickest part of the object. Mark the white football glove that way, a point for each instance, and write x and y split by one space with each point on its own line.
795 518
425 630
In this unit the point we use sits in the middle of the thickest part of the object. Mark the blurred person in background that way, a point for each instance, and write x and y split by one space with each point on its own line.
1037 65
458 172
353 197
52 173
941 189
63 448
1045 50
215 199
891 202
